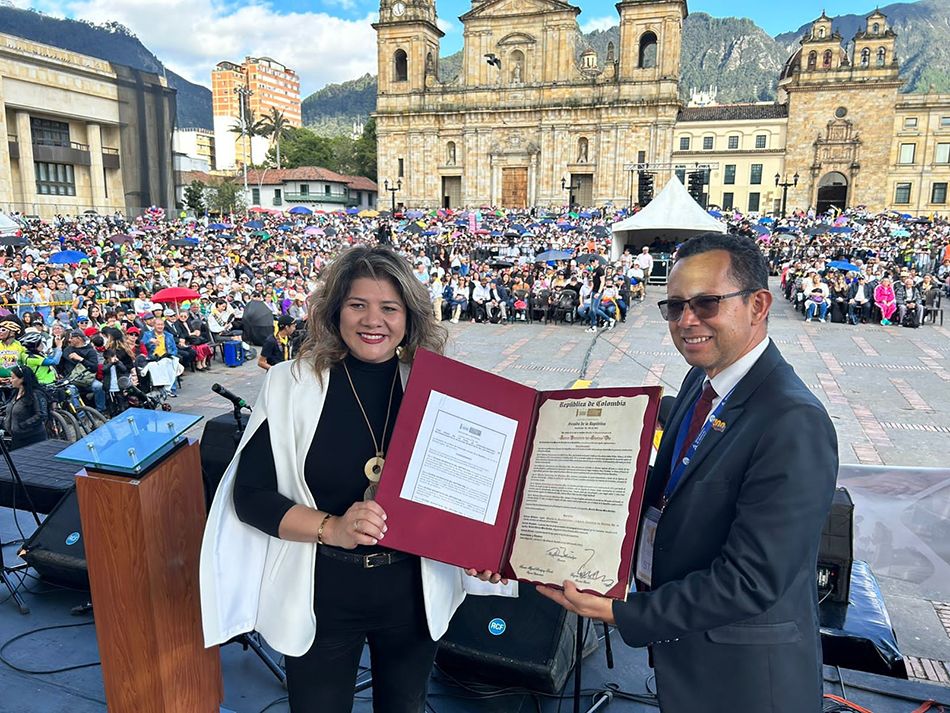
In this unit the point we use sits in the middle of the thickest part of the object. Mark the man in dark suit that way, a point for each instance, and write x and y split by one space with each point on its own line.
738 498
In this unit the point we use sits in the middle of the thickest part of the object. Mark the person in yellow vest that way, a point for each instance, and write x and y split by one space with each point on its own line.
276 347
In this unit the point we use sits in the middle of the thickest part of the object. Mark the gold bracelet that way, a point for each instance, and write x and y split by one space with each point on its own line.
323 524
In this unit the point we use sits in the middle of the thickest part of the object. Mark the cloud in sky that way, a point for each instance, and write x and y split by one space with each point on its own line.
599 23
191 36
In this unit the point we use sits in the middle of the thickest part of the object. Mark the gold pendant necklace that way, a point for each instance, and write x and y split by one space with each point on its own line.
373 468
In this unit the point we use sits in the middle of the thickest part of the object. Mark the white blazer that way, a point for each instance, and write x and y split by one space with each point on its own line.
251 581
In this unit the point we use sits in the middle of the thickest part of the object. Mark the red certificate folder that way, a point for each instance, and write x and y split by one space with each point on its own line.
465 542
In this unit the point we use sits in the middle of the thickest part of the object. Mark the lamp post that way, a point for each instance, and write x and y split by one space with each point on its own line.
392 191
785 185
244 94
570 188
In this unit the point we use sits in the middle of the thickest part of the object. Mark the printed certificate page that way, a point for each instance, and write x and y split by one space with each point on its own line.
577 491
460 459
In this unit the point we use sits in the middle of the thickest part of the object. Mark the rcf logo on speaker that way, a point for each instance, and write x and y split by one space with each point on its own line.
496 627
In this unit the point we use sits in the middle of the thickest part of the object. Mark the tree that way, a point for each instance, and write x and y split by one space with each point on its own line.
195 196
250 127
304 148
365 151
277 128
225 196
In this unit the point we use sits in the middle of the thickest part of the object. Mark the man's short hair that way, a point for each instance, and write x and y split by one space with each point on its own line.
748 266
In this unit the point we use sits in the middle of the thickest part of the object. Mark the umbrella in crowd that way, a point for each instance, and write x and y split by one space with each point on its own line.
843 265
841 230
67 257
16 241
176 295
183 242
313 230
352 211
254 225
300 210
900 233
218 226
553 255
600 231
120 238
500 263
591 257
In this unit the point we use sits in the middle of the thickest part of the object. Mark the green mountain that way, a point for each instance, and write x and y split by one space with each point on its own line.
733 55
113 43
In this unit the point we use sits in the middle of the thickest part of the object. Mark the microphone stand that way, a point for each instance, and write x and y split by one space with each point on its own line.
602 698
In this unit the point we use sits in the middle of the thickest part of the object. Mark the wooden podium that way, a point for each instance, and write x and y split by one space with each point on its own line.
143 538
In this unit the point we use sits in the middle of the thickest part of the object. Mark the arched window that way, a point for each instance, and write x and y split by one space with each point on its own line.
430 65
812 59
582 147
881 56
610 52
400 66
875 28
516 65
821 32
450 153
826 59
866 57
647 50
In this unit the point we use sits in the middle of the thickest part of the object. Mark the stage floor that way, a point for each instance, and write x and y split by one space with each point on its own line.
897 530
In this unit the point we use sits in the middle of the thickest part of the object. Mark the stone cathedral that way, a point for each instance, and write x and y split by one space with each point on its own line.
533 119
528 109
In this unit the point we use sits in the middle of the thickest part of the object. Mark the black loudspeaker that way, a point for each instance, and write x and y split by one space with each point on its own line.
56 550
218 443
524 642
836 551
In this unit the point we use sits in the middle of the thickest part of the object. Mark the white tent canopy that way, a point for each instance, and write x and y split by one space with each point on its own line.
672 215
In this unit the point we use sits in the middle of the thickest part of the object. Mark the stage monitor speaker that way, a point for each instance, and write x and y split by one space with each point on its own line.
524 642
836 551
218 443
56 550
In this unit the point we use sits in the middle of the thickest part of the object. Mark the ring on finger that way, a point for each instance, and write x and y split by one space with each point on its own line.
356 525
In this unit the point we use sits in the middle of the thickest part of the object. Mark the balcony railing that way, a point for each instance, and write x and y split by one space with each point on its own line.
341 198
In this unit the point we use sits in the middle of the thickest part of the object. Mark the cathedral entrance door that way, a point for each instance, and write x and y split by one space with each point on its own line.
584 193
514 187
451 191
832 191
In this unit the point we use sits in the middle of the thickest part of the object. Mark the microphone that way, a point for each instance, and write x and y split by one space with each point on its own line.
236 400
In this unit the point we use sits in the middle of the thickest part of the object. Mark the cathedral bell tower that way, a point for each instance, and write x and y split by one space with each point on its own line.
407 40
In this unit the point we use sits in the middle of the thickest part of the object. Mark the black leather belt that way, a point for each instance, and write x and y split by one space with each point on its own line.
370 561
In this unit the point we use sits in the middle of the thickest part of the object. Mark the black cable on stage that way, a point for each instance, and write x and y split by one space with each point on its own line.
31 632
273 703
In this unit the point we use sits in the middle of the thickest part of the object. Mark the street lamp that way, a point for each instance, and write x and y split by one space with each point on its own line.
570 188
392 191
785 185
244 94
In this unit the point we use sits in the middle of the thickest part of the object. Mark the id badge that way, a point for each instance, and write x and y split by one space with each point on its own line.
645 551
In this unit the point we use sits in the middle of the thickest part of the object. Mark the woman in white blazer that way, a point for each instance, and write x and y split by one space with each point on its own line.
295 546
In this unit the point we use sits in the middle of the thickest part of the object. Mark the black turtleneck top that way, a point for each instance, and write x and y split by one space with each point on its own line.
341 446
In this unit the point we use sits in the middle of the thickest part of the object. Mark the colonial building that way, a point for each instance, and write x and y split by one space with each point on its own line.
81 133
529 109
315 188
534 119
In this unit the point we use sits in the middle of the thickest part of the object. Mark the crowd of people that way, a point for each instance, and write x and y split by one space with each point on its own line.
76 292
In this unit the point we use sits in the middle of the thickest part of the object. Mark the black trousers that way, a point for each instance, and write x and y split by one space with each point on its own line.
382 606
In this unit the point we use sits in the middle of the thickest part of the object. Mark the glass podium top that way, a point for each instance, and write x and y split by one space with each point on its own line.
130 442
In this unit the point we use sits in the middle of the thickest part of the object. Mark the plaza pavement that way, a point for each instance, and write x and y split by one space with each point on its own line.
887 389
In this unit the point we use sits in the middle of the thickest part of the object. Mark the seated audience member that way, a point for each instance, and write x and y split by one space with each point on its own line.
859 301
885 300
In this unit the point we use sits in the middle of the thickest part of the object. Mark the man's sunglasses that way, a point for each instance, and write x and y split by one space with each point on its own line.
703 306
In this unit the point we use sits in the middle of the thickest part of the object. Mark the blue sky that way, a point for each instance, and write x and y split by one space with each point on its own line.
331 40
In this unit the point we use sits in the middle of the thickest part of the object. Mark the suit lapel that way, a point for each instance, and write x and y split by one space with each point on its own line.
692 386
732 412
